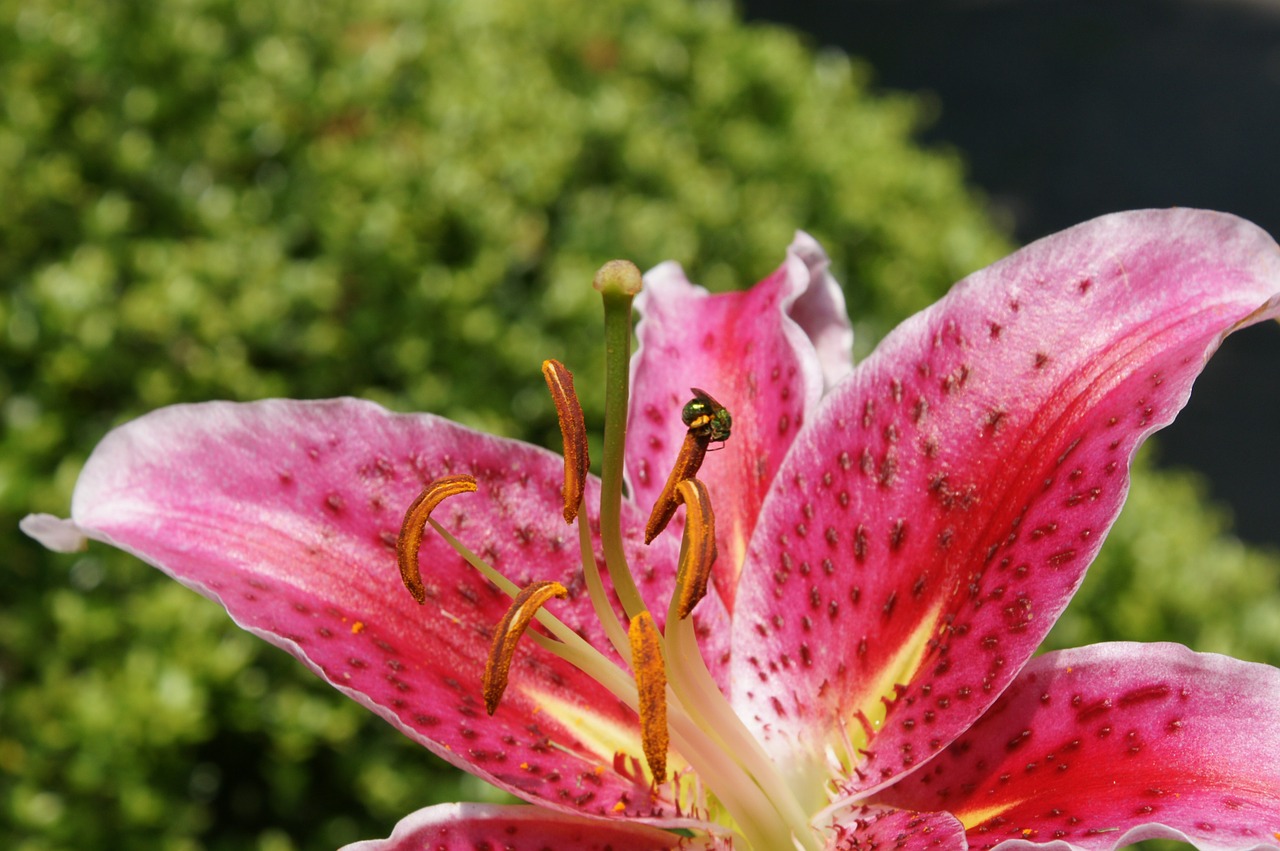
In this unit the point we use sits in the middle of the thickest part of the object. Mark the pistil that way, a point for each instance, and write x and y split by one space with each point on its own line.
619 282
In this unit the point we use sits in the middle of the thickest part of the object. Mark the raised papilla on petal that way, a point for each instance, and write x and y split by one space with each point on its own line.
935 517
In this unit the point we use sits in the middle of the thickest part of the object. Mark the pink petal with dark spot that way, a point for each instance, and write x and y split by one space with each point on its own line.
287 513
1107 745
877 828
765 354
950 494
468 827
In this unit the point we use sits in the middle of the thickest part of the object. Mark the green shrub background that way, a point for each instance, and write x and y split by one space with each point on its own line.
405 200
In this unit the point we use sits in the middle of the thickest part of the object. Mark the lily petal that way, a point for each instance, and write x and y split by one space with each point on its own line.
766 354
820 311
1106 745
868 827
933 520
466 827
287 513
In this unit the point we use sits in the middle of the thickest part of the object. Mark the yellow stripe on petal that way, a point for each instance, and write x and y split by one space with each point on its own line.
898 670
597 737
974 817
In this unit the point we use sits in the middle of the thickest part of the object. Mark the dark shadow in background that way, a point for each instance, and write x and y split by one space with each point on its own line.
1066 109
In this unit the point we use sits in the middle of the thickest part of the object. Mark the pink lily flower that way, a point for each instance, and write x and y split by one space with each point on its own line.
894 541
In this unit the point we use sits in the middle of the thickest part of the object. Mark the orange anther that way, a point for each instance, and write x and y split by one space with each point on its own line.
523 609
415 521
698 547
572 430
688 462
651 683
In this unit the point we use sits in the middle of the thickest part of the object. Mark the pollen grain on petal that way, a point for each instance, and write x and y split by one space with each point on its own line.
698 549
415 521
651 683
505 638
572 430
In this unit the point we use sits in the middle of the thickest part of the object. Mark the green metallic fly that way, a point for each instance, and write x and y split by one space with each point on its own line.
706 417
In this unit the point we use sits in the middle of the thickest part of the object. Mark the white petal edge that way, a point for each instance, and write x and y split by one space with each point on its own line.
55 533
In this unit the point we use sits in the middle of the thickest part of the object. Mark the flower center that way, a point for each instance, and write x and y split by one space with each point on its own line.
679 705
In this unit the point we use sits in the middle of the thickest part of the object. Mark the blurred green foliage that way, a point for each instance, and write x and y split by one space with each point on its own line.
405 200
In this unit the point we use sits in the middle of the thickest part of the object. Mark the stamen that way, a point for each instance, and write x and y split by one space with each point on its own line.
572 430
415 521
523 609
651 683
698 693
688 462
698 547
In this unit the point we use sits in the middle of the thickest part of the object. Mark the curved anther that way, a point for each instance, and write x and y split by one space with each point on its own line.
415 521
697 549
688 462
651 685
505 638
572 430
